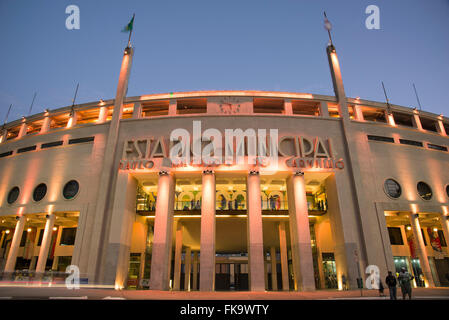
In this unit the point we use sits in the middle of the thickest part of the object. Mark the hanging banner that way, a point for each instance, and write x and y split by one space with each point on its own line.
411 243
435 243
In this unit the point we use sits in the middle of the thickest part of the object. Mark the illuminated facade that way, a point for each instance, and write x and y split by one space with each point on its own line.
356 183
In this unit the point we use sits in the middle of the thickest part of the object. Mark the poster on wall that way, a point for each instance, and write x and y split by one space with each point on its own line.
411 243
435 242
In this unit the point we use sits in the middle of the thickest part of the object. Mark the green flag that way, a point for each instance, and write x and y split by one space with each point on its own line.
129 26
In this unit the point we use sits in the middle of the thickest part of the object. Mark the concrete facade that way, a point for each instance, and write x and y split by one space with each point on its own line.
115 149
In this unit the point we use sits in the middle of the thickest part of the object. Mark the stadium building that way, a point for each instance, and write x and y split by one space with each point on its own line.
356 184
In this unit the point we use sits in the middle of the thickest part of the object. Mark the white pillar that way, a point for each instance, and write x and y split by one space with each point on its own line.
23 130
288 107
417 121
421 249
187 268
162 241
45 244
195 271
300 233
4 135
440 128
103 114
123 215
324 109
207 245
178 256
15 243
137 110
358 115
284 257
72 120
254 234
274 278
46 124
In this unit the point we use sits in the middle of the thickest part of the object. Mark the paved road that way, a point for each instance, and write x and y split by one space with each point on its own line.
55 293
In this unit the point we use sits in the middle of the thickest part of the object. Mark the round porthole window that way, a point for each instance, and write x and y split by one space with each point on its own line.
71 189
39 192
13 195
424 190
392 188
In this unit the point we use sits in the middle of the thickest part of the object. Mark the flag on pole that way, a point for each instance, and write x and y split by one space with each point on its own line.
129 26
327 23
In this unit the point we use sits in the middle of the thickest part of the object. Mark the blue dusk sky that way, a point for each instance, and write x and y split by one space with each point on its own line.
222 45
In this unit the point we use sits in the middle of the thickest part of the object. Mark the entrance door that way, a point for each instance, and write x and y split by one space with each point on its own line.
222 277
329 270
417 272
241 277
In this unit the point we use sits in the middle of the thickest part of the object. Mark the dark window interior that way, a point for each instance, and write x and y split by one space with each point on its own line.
403 119
395 236
68 237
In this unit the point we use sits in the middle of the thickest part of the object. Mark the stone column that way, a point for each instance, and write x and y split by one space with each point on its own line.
284 257
172 107
274 278
300 233
207 253
416 120
15 244
46 124
137 110
23 129
118 246
440 128
358 115
288 107
3 135
195 271
103 114
187 269
162 241
324 109
421 249
178 257
72 119
254 234
45 244
109 169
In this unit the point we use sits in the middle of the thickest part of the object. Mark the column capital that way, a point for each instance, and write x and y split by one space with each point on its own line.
299 173
414 215
163 173
208 171
444 216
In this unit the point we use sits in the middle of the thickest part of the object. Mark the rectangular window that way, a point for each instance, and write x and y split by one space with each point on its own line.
442 239
51 144
436 147
428 124
41 236
23 240
191 106
81 140
26 149
68 237
155 108
411 142
403 119
306 108
262 105
5 154
380 138
395 236
373 114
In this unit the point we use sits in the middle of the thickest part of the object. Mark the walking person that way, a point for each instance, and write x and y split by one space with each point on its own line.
405 280
391 282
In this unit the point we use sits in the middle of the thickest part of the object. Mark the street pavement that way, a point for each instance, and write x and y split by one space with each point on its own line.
62 293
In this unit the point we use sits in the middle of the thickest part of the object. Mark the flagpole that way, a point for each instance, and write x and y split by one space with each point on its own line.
7 114
131 31
74 98
328 29
32 102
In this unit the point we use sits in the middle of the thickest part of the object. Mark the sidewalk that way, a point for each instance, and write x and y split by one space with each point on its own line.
25 292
